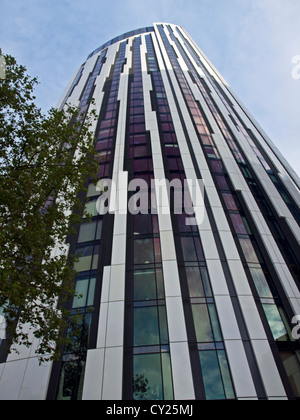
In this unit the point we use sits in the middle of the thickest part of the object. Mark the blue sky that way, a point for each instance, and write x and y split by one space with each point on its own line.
251 42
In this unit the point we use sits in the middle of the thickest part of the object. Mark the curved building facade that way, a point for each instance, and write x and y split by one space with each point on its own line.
188 271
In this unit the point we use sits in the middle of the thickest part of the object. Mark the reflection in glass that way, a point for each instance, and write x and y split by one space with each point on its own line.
71 380
144 285
260 282
202 324
248 250
276 324
143 251
146 326
85 291
194 282
211 375
147 377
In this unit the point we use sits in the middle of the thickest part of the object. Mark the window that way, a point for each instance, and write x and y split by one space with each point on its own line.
216 375
91 208
194 282
203 329
71 380
146 326
192 249
144 285
221 180
142 224
85 291
248 250
206 323
275 322
230 202
143 251
152 377
87 258
238 224
90 231
260 282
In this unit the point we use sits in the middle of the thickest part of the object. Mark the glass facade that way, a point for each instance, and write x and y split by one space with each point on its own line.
178 300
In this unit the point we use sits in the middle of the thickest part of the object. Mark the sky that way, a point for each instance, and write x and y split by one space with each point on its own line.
255 45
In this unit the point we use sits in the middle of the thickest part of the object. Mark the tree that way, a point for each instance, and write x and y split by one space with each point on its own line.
44 161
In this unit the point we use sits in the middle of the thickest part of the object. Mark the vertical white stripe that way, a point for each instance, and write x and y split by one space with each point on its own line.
180 359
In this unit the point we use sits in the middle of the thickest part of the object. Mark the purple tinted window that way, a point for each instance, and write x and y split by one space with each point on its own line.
102 145
238 224
142 224
192 249
138 151
137 128
249 251
222 182
230 202
138 139
169 138
217 166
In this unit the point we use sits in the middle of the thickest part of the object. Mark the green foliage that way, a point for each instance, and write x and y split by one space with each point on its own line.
44 161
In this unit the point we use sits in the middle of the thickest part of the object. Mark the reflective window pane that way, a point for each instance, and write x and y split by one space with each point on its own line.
144 285
146 326
211 375
275 322
84 258
238 224
163 326
142 224
188 249
226 374
71 380
260 282
194 282
147 377
215 322
230 202
87 232
167 376
143 251
81 289
248 250
202 324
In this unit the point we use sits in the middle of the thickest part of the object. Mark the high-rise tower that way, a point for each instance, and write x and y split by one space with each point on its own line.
189 284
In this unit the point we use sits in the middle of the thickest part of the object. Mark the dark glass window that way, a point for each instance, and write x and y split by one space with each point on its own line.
87 258
192 249
147 377
230 202
142 224
143 251
202 324
260 282
216 376
146 326
85 291
221 180
90 231
145 285
249 251
238 224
